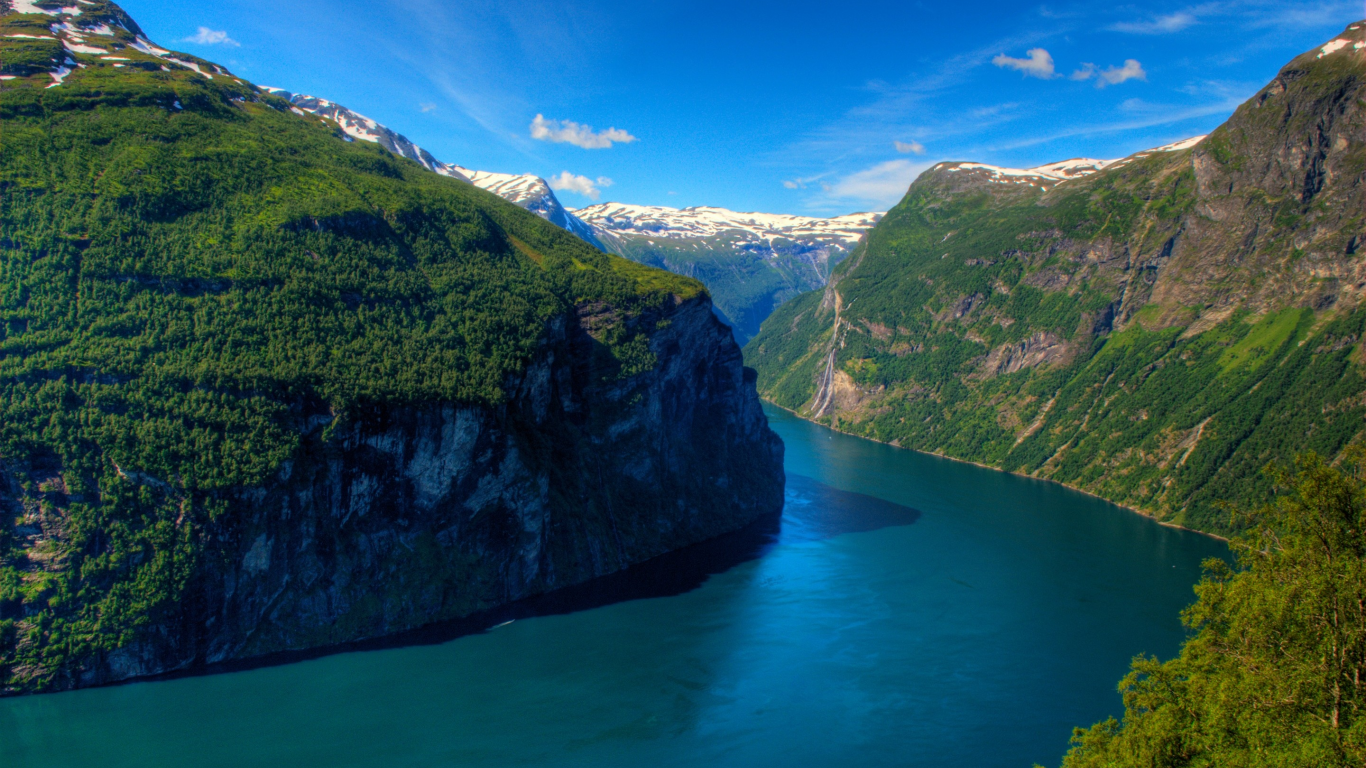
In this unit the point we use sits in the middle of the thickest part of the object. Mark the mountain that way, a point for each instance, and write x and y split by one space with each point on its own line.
266 387
751 262
528 191
1153 330
534 194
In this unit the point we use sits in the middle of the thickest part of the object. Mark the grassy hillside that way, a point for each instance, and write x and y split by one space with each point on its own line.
1155 333
187 268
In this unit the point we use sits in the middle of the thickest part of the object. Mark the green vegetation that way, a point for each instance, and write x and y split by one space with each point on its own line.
1126 333
746 285
1274 673
188 272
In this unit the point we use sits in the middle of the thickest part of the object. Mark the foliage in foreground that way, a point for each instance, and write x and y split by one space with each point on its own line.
1273 674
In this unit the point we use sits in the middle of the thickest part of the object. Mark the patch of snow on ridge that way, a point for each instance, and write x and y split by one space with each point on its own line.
1180 145
1333 47
1071 169
83 48
24 6
145 46
60 75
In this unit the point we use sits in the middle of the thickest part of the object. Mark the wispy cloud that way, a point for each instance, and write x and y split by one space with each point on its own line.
1307 14
1039 64
1223 98
802 183
583 136
427 106
579 185
1161 25
883 184
206 36
909 148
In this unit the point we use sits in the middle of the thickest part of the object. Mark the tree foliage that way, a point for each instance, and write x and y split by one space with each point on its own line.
1274 673
190 273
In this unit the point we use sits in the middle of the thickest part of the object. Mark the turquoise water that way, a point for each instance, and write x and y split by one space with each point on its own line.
907 611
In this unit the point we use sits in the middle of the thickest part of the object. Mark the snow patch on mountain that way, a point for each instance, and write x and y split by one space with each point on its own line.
362 128
528 191
1056 173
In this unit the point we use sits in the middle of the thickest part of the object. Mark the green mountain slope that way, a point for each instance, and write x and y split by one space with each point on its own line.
1154 333
209 302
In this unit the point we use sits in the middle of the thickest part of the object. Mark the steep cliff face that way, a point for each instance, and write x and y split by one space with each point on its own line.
402 517
1154 330
264 387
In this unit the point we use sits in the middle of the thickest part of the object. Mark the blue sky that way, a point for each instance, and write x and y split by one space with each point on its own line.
792 107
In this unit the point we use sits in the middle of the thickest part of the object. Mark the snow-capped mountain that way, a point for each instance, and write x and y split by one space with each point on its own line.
529 191
359 127
1056 173
620 219
751 262
534 194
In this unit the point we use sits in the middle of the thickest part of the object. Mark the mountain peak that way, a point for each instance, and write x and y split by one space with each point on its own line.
44 42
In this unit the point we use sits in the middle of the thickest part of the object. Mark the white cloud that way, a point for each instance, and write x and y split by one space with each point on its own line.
1086 72
1159 26
579 185
570 132
1131 70
1039 64
884 184
207 36
427 106
912 148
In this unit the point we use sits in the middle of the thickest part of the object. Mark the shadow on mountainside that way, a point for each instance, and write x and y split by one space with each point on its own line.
813 512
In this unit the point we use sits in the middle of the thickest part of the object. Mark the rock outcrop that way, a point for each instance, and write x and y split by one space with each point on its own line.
403 517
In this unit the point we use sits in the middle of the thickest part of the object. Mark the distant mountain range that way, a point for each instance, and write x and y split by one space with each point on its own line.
751 262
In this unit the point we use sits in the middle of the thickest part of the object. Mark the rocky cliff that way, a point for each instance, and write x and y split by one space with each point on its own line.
266 388
400 517
1154 329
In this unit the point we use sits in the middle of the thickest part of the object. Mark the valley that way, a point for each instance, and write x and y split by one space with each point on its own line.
318 449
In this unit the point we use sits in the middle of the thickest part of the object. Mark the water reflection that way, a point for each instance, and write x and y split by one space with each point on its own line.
813 511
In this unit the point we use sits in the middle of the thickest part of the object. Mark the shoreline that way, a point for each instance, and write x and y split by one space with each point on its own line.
1125 507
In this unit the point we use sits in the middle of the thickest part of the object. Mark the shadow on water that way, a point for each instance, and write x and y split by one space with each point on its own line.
813 512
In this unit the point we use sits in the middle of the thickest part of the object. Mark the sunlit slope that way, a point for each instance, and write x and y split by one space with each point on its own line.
196 280
1155 332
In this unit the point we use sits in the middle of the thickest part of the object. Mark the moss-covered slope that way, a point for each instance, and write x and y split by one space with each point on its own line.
1154 333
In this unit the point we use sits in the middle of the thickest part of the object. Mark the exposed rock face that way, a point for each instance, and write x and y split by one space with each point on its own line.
1039 349
1154 330
402 518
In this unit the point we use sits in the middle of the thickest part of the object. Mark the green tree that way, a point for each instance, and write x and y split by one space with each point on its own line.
1272 674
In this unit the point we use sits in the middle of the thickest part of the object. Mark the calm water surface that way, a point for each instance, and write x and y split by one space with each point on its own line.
909 611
